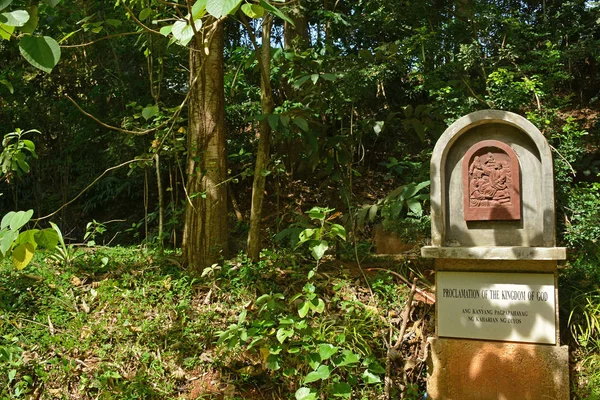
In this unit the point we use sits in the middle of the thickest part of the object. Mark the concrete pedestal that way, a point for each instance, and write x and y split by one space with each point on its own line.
480 370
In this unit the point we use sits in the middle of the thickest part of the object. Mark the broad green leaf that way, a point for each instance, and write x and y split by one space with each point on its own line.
305 393
303 308
314 78
285 120
14 18
183 31
376 368
41 52
338 230
6 31
329 77
300 81
114 22
9 85
284 333
275 11
317 213
19 219
149 112
165 30
29 145
28 236
415 206
253 10
319 250
145 13
199 9
317 305
47 238
370 377
273 121
220 8
321 373
52 3
6 219
4 4
348 357
32 23
6 241
305 235
301 123
342 389
327 350
22 255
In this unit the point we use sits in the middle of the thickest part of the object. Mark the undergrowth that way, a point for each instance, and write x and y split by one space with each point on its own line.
117 323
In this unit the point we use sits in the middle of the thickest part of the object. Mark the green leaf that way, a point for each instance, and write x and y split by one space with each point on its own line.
6 241
183 31
28 236
342 389
317 305
370 377
321 373
327 350
284 333
253 10
199 9
19 219
220 8
4 4
6 31
273 121
301 123
305 235
145 13
314 78
303 308
317 213
338 230
6 219
275 11
6 83
149 112
41 52
14 18
305 393
415 206
32 23
58 233
22 255
376 368
114 22
166 30
329 77
319 250
52 3
348 357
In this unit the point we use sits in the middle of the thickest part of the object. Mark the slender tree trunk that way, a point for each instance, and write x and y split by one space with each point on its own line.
263 153
205 230
161 201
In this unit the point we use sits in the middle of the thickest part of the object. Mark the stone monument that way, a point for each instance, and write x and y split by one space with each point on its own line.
494 245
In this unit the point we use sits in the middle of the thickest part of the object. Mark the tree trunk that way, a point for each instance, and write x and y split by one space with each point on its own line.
161 201
296 35
205 230
263 153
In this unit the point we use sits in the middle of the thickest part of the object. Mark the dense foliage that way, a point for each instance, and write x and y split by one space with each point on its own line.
351 94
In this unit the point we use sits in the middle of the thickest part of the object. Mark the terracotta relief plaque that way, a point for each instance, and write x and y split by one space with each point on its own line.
491 182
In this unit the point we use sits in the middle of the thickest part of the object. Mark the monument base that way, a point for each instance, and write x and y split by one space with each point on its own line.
462 369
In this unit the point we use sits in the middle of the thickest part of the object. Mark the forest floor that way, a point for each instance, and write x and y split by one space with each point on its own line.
124 323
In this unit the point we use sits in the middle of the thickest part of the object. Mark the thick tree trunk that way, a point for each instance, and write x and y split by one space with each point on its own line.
298 33
205 230
263 153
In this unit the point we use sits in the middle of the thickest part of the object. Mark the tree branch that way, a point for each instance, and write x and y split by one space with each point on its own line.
69 46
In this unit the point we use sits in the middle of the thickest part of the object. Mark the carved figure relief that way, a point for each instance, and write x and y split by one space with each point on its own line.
491 182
